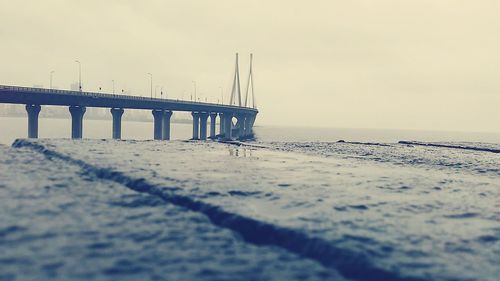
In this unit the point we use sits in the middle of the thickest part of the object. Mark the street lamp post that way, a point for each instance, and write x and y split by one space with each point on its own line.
161 92
79 75
151 76
113 81
51 73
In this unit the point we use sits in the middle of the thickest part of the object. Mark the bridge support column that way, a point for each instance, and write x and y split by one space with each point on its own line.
158 124
248 126
213 117
196 125
251 123
166 124
117 122
244 126
228 126
203 125
240 124
247 131
77 113
221 124
33 110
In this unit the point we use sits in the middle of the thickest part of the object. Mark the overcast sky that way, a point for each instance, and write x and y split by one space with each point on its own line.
423 64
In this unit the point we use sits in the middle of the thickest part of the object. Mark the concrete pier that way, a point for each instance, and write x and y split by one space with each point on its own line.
228 126
158 124
252 122
33 111
213 117
117 122
221 124
203 125
248 126
77 113
240 124
196 125
166 124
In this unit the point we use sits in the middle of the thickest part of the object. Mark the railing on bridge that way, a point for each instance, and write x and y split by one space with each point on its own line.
106 95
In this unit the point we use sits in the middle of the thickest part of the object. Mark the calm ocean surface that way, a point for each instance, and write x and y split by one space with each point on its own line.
293 205
16 127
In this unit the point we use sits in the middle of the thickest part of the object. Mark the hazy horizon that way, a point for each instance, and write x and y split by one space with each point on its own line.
419 65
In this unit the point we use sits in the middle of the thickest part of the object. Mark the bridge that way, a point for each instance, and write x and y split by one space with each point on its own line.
162 109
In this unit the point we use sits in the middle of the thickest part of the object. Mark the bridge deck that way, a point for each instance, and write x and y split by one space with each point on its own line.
41 96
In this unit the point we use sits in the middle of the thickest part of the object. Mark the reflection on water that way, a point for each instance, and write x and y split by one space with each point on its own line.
240 152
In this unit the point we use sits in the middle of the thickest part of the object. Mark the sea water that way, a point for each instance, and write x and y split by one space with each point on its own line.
17 127
278 208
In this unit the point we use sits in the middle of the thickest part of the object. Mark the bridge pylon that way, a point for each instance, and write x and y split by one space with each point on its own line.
236 90
250 86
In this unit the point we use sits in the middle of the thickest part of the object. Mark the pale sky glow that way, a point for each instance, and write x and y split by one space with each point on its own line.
426 64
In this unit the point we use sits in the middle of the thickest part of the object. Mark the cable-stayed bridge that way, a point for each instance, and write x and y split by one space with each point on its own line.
236 120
